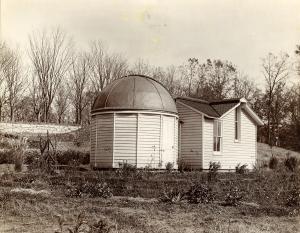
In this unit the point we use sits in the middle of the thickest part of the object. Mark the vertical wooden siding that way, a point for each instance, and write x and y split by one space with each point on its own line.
208 134
125 139
243 152
191 136
93 140
103 140
148 140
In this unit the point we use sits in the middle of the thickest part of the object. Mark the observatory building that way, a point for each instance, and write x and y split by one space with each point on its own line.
134 121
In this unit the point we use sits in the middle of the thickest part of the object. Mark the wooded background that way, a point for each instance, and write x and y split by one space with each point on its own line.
60 82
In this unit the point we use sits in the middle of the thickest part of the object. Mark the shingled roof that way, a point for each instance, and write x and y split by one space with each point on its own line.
211 109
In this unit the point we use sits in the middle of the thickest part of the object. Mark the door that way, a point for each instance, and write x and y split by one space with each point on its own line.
168 141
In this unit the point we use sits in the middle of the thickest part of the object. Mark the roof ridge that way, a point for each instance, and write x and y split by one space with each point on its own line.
224 101
193 99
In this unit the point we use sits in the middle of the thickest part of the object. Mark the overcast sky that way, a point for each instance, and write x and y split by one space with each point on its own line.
165 32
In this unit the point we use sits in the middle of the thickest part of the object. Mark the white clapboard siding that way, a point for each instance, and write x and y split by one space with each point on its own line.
148 140
93 140
176 130
207 142
104 140
125 139
191 136
242 152
168 140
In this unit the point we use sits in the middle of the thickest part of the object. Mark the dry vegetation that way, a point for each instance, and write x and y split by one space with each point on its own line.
45 199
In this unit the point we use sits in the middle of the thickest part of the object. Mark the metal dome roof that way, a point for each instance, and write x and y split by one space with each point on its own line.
134 92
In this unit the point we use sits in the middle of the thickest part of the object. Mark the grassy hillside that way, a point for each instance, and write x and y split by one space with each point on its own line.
264 152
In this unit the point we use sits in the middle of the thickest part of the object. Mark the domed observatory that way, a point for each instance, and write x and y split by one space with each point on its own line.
134 121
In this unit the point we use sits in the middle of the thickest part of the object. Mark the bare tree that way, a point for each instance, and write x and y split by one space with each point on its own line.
11 69
61 103
104 67
275 72
189 72
142 67
50 56
79 78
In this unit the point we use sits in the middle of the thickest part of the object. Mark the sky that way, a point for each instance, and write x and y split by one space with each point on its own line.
164 32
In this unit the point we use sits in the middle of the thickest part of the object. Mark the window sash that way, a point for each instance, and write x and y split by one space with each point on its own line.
217 137
237 125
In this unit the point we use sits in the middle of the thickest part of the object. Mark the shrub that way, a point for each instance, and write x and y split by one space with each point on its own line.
31 156
6 157
169 166
241 169
172 195
293 197
127 168
212 170
200 193
273 163
233 196
72 157
291 163
89 190
182 166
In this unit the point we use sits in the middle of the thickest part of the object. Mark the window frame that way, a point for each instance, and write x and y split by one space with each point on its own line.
218 136
237 124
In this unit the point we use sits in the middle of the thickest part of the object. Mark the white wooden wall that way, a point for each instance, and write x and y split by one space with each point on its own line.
243 152
191 136
149 140
125 139
102 142
134 138
93 140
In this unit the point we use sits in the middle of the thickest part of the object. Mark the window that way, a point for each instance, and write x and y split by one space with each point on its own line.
237 125
217 135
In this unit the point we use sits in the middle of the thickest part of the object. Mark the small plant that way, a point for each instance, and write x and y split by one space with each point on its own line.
81 225
182 166
233 196
169 166
101 226
200 193
293 197
212 170
291 163
273 163
241 169
89 190
127 168
173 195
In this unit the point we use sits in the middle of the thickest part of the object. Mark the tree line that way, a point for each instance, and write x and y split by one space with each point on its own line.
60 83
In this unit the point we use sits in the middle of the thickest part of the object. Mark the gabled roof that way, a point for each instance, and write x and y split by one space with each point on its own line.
217 109
200 105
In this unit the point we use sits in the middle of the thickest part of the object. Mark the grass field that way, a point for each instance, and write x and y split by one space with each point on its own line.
129 200
136 204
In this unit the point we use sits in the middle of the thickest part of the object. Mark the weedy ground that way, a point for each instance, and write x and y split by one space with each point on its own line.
131 201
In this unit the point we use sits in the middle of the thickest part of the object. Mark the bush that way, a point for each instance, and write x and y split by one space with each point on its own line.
172 195
72 157
182 166
273 163
241 169
293 197
6 157
127 168
233 196
212 170
89 190
291 163
200 193
31 156
169 166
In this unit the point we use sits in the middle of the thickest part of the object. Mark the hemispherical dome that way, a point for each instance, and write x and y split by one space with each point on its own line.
134 92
